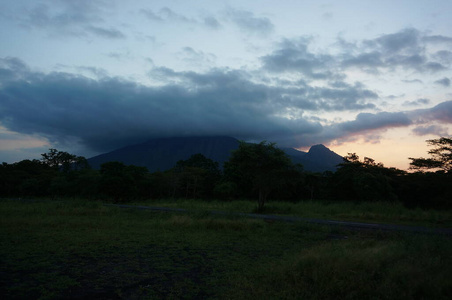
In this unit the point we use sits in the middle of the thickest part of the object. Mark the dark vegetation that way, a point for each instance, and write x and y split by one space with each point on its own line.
74 249
254 171
58 242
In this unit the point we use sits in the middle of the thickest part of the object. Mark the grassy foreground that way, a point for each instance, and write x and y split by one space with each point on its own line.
76 249
370 212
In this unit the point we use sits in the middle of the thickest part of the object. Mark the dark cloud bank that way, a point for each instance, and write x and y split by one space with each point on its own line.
110 112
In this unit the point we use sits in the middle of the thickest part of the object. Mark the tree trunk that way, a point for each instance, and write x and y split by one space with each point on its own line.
262 198
195 184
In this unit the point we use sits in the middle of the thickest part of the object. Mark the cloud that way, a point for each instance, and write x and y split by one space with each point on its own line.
111 112
421 101
370 59
276 102
61 14
348 98
440 113
167 15
69 18
125 54
104 113
406 49
434 67
151 15
431 129
369 125
327 16
437 39
11 69
110 33
97 72
444 56
248 22
212 22
282 97
368 121
405 41
444 82
412 81
294 56
198 58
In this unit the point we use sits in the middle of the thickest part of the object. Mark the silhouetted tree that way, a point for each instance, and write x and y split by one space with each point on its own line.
430 189
197 176
441 156
64 161
312 183
122 182
263 166
363 181
426 190
26 178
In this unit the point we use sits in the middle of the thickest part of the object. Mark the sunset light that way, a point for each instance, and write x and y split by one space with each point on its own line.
368 77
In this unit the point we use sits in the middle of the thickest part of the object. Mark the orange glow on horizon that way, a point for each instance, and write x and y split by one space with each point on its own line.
393 149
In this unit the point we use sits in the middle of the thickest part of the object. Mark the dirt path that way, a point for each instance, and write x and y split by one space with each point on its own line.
350 225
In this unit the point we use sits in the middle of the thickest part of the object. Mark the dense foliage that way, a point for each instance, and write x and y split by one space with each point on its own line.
441 156
254 171
259 168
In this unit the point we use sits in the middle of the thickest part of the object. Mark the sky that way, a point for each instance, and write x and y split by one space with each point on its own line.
90 76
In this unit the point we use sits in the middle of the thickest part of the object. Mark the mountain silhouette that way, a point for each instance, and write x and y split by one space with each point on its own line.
161 154
318 159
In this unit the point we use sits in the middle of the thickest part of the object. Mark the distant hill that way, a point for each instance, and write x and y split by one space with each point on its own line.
318 159
161 154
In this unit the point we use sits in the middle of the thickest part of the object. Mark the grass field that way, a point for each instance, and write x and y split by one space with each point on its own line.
79 249
371 212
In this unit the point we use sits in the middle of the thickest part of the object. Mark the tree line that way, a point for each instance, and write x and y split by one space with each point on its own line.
254 171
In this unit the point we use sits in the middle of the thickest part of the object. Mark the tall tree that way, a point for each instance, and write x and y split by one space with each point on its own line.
263 165
431 189
197 175
124 183
63 160
363 180
116 182
441 156
26 178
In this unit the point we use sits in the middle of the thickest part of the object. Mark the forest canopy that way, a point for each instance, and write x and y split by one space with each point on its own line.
259 172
